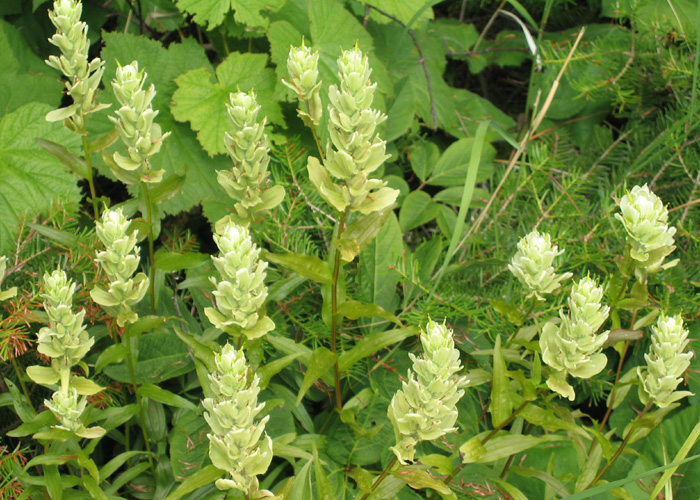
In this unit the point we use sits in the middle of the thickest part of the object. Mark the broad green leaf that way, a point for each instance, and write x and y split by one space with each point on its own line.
302 482
307 266
360 233
376 281
502 446
161 355
85 386
324 490
321 361
269 370
166 397
32 179
116 463
417 209
25 77
451 168
299 412
44 375
93 488
71 161
53 482
373 343
202 102
212 13
125 477
202 477
189 446
547 419
400 113
352 309
112 354
403 10
424 156
501 404
418 478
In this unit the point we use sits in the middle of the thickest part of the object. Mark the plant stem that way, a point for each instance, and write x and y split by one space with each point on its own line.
334 312
151 253
91 182
384 473
142 420
22 384
619 449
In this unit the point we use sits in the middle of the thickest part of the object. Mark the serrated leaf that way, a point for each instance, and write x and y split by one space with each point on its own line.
32 179
212 13
202 102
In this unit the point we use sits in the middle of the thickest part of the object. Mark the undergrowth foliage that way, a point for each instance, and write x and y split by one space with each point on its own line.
315 260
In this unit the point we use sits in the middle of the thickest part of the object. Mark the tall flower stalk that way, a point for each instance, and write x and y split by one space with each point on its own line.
247 181
82 77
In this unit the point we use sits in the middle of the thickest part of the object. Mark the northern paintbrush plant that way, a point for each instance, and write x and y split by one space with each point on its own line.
650 238
135 122
355 150
247 181
573 346
119 260
241 292
302 65
533 265
65 341
424 409
237 443
667 361
83 77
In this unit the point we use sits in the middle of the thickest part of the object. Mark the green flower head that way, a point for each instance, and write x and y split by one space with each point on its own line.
645 219
302 65
533 263
573 346
237 443
425 406
667 361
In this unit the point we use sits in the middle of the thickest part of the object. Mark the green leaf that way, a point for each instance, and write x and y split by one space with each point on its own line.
93 488
321 361
161 355
353 310
116 463
71 161
547 419
373 343
203 102
418 479
25 77
40 421
400 113
166 397
174 261
307 266
451 169
64 238
202 477
403 10
212 13
360 233
376 281
502 446
417 209
269 370
189 446
85 386
424 156
112 354
53 482
32 179
166 189
501 404
43 375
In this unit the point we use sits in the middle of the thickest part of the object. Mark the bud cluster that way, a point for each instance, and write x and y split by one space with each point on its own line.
302 66
573 346
424 409
119 260
667 361
237 444
646 221
83 77
356 151
247 180
241 292
532 264
135 122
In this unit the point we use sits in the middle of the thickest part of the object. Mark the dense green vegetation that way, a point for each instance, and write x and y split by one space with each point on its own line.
334 249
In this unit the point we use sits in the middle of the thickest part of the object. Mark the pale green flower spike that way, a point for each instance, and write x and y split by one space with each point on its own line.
241 292
302 66
83 77
573 346
65 339
646 221
119 260
667 361
7 294
424 409
247 181
356 151
237 444
532 264
136 126
67 407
